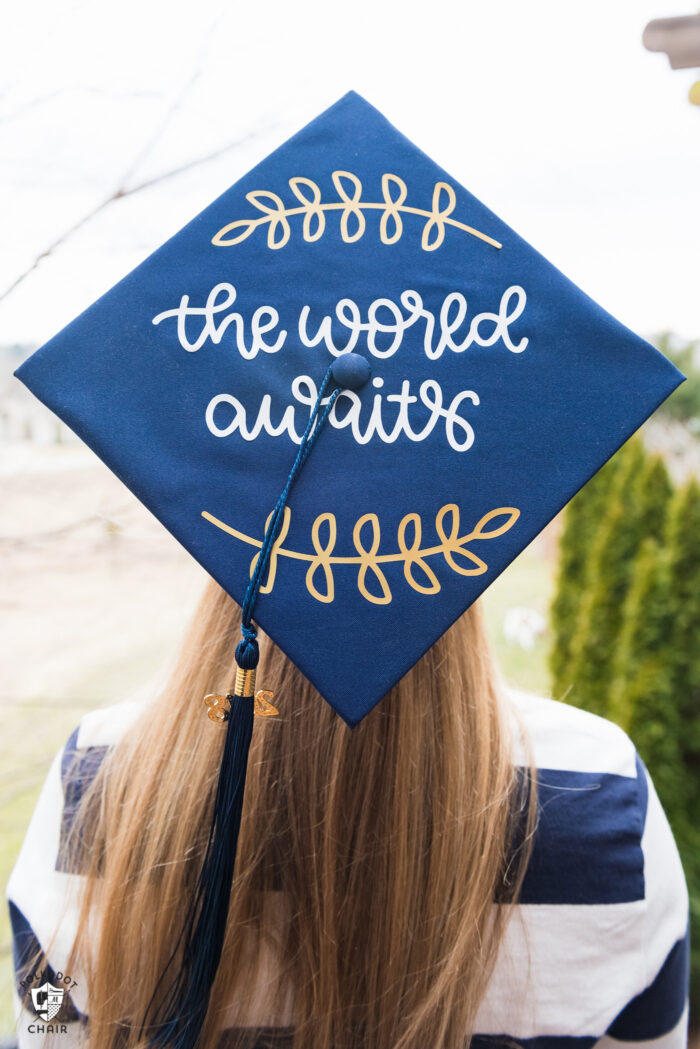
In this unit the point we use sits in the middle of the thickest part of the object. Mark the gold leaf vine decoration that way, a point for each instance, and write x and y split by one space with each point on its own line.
366 535
352 208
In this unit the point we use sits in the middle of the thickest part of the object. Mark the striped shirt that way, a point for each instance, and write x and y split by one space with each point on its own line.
596 951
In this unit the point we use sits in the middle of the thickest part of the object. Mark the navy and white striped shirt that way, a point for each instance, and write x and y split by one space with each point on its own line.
596 951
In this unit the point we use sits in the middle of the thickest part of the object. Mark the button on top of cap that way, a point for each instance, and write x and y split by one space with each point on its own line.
351 371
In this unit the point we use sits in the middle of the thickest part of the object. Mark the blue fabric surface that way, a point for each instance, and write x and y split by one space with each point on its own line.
536 403
587 849
79 766
659 1008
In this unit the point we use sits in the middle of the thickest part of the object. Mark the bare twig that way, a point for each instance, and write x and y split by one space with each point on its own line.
124 189
55 533
49 96
118 194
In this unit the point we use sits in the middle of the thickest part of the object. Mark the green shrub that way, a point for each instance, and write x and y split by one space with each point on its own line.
684 402
683 543
642 699
683 653
581 522
614 544
635 653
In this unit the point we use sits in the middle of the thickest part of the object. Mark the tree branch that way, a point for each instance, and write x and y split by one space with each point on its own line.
118 194
123 188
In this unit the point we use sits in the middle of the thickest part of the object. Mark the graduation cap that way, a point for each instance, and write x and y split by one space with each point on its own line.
354 395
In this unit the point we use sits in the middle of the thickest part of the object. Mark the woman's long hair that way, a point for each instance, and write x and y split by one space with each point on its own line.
362 913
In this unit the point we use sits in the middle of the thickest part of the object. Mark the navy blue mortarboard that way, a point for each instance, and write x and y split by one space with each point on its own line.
481 391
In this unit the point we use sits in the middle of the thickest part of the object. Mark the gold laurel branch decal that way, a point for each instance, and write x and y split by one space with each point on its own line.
371 580
351 207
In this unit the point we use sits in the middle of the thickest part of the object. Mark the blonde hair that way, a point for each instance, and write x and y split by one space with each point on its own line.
363 910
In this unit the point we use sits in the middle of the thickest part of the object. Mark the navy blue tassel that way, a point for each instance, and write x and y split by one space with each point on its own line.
179 1017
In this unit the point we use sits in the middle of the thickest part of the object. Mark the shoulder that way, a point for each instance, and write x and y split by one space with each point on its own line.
71 767
568 738
84 750
598 806
42 887
591 805
104 727
80 760
69 772
605 874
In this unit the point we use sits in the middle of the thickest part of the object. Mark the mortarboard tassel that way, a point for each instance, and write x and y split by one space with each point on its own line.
178 1019
182 1011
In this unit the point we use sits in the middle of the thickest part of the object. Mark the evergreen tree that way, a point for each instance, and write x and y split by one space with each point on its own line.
614 545
656 691
626 624
654 497
683 544
642 699
581 519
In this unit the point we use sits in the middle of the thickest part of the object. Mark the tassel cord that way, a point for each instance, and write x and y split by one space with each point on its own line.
311 434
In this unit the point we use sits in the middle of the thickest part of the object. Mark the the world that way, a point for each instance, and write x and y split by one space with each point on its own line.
379 329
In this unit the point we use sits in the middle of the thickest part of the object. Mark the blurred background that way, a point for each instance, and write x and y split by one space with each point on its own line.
120 121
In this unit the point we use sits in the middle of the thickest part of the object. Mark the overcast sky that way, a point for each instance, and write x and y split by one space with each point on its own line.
552 113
